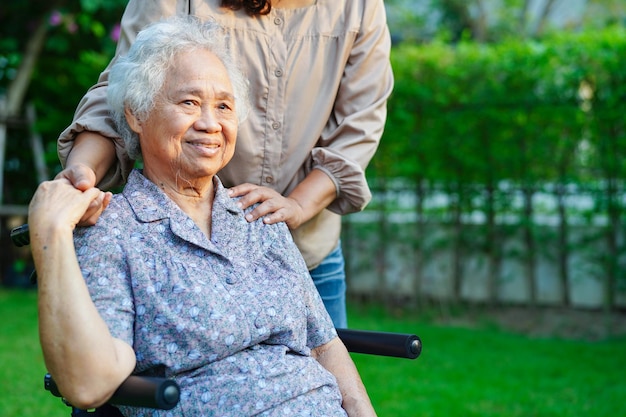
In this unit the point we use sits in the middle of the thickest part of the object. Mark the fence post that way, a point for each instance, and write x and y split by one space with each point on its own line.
36 144
3 141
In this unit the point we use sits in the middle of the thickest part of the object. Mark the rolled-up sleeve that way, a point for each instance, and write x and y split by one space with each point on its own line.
354 130
92 113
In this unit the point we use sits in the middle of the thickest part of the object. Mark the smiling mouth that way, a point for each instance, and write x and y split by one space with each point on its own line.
205 149
205 145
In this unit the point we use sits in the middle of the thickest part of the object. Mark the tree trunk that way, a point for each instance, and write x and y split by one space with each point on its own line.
563 250
528 238
523 17
457 242
19 86
612 246
542 20
479 24
383 238
3 142
418 249
493 251
36 144
529 243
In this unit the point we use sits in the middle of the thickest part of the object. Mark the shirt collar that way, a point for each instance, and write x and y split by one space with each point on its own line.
151 204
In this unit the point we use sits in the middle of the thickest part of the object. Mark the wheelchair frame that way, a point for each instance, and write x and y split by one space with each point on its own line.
164 394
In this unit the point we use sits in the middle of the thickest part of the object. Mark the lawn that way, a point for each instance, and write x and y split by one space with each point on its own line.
478 371
21 362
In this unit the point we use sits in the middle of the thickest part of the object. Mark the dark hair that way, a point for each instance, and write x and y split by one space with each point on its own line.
252 7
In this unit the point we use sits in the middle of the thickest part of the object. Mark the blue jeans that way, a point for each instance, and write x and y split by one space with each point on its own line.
329 278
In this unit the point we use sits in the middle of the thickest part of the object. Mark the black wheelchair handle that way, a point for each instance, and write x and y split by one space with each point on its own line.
20 236
136 391
399 345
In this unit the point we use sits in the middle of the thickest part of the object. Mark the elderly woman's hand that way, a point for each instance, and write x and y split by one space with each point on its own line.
83 178
58 203
273 207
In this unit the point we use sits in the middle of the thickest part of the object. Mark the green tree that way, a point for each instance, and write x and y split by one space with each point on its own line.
51 52
493 21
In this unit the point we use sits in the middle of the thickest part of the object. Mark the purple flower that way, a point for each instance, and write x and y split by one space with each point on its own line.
115 32
72 27
55 18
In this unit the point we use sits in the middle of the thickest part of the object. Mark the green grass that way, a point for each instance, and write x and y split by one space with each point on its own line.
462 372
486 372
21 362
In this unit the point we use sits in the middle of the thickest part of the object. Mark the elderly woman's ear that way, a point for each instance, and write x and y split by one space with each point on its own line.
132 120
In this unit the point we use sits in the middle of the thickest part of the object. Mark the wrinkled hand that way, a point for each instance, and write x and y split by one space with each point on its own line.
83 178
273 207
58 204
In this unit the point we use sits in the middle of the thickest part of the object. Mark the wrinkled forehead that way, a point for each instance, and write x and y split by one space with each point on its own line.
199 67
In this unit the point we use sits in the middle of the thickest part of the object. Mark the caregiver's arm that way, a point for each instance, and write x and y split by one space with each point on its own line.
86 165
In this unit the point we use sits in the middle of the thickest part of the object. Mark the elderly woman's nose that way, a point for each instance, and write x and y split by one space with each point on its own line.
207 120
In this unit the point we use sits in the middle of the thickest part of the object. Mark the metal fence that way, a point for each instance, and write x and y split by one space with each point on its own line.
558 245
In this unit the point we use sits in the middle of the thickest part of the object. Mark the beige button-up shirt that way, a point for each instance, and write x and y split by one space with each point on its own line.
319 78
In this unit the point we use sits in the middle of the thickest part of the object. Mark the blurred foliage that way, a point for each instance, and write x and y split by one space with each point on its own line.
524 92
80 41
494 20
490 124
516 110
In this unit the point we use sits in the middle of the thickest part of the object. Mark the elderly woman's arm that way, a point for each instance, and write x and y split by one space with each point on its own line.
87 363
335 357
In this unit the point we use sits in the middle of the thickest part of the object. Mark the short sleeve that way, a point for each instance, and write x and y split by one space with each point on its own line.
104 267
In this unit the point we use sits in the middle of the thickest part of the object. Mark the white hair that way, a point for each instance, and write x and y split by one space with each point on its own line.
136 78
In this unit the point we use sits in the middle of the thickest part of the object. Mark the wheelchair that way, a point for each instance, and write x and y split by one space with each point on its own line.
164 394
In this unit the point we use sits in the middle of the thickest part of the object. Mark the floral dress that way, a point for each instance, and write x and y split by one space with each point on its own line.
232 319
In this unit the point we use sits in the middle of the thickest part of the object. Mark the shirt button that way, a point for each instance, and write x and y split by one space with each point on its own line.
276 125
278 72
278 21
269 179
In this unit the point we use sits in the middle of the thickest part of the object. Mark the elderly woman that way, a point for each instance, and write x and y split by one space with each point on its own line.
173 281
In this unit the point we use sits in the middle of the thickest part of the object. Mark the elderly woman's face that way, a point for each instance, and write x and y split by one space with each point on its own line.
191 132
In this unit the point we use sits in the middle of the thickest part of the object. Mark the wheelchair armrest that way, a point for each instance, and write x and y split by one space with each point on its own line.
399 345
137 391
